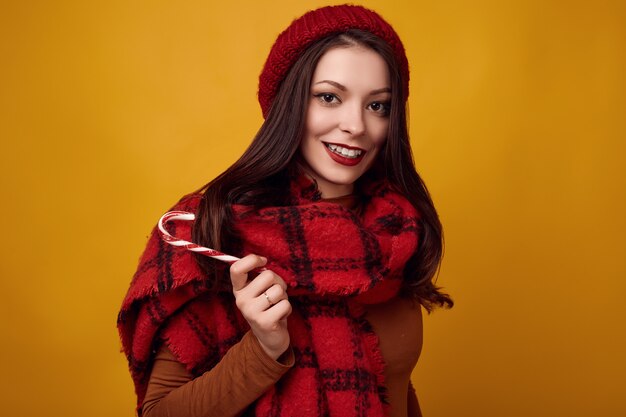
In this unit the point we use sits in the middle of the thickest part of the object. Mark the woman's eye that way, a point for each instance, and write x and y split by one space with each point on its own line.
379 107
327 98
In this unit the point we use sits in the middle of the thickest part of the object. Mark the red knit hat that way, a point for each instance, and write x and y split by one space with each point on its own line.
315 25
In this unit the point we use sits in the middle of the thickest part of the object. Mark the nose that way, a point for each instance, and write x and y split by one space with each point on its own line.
352 120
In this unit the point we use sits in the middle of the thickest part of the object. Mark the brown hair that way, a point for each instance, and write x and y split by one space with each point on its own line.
260 175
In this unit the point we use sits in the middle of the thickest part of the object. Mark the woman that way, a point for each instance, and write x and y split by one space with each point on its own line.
339 242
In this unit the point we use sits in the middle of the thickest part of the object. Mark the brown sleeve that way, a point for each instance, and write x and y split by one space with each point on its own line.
242 376
413 406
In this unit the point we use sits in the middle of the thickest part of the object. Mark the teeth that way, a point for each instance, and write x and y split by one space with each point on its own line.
347 153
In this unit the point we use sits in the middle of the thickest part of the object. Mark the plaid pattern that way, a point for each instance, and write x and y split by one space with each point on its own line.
332 260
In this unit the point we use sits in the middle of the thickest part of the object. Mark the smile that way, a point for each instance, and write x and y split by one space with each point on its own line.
345 155
350 153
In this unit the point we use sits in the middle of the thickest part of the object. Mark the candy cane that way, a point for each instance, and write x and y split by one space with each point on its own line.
186 216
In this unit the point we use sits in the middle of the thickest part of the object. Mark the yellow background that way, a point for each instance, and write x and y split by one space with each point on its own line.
109 111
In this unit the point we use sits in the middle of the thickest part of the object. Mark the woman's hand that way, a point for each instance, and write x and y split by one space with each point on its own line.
263 303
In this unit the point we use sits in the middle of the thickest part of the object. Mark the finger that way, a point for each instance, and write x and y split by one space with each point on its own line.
279 311
239 270
262 282
281 282
273 295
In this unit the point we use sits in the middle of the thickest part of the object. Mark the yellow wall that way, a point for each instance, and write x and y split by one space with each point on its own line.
109 111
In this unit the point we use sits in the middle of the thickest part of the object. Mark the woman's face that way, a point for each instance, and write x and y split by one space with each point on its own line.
347 118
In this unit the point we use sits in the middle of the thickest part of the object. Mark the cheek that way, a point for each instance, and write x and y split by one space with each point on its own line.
379 134
379 148
310 120
306 145
318 121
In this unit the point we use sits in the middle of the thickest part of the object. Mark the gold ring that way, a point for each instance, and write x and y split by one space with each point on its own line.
267 297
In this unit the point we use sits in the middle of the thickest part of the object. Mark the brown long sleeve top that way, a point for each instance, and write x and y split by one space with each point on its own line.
242 376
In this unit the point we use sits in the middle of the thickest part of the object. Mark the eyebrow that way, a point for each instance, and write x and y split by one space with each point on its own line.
343 87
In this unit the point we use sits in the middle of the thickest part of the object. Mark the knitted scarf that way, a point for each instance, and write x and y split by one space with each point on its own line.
333 261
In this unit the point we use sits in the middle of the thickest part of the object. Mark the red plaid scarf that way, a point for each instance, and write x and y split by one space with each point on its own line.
332 260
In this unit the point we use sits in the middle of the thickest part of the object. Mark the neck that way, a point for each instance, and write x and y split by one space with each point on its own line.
330 190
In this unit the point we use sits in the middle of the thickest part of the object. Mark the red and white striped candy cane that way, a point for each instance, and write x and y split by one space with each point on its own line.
186 216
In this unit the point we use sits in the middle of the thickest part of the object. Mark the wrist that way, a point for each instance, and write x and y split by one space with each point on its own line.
274 353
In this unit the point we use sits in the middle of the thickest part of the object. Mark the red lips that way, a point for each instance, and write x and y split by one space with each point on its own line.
340 159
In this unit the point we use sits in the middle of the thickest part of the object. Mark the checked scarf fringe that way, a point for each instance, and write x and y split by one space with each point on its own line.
333 261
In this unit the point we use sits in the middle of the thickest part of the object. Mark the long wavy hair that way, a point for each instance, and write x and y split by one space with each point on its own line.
262 173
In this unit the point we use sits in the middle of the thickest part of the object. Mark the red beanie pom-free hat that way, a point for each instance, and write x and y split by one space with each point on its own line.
315 25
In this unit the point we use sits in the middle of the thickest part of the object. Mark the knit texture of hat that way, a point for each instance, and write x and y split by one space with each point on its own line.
315 25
